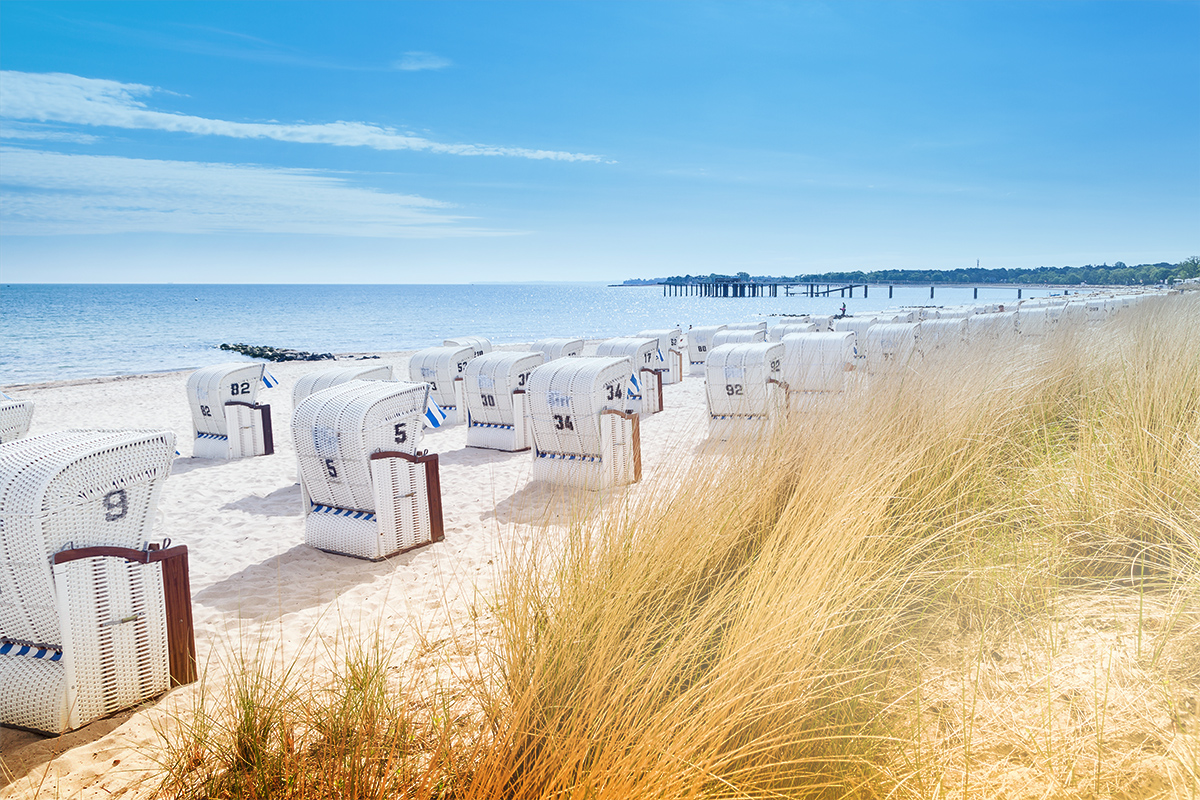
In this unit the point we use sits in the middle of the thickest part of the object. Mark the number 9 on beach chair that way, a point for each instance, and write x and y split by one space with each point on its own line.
743 387
367 491
227 421
558 348
324 378
93 617
670 353
442 368
581 435
497 405
15 416
699 342
644 395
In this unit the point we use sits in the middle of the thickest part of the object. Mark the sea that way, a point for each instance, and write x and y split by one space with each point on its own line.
54 332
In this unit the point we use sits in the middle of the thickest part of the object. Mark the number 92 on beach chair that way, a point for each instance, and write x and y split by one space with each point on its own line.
582 436
495 386
367 491
93 617
743 387
228 423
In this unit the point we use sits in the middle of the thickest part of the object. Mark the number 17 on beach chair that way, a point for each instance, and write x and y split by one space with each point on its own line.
94 617
227 420
367 490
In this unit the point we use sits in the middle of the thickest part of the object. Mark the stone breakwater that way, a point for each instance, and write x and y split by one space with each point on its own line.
276 353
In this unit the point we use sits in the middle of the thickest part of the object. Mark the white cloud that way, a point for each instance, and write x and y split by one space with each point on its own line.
58 97
45 133
54 193
415 60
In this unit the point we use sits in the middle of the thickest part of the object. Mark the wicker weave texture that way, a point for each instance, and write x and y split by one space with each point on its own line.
478 344
558 348
699 342
747 326
565 400
324 378
15 416
777 333
736 378
992 326
891 346
440 367
105 616
210 388
818 362
670 340
337 429
490 380
737 336
615 466
941 334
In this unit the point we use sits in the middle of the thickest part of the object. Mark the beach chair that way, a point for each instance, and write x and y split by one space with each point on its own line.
478 344
699 342
495 387
367 491
1037 322
751 326
670 353
442 368
890 347
744 391
94 617
777 333
15 416
227 421
558 348
324 378
993 326
738 336
644 393
581 435
939 335
817 362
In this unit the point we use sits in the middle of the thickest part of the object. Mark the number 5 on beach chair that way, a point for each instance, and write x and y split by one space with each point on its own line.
367 490
227 420
93 617
582 436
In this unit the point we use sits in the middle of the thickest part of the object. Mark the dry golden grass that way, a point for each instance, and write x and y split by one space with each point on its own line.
979 578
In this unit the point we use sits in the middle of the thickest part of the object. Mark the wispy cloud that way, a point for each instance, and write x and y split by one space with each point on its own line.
415 60
58 97
54 193
45 133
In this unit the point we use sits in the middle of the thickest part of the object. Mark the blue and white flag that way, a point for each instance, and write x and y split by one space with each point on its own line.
434 415
637 387
269 380
660 355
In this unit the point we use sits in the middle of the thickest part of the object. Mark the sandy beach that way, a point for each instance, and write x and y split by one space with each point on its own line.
258 589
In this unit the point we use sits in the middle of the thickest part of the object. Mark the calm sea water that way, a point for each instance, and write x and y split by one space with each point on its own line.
60 331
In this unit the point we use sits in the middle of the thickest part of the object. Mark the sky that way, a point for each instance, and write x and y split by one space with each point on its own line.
447 142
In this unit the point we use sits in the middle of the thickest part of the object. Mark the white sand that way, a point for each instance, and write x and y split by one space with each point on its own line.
254 580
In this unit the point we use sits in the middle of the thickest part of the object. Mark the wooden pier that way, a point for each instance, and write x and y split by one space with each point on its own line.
753 288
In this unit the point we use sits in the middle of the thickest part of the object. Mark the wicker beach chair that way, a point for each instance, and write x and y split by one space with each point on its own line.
495 385
581 435
558 348
478 344
15 416
699 342
227 421
750 326
817 362
367 490
993 326
442 368
324 378
891 347
644 393
670 353
941 335
777 333
738 336
744 391
93 617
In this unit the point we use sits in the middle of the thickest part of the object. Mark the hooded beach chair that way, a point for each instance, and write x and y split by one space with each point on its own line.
670 353
940 335
495 385
699 342
478 344
992 326
15 416
744 390
94 617
751 326
442 368
582 436
644 392
558 348
738 336
777 333
367 491
324 378
227 421
891 347
817 362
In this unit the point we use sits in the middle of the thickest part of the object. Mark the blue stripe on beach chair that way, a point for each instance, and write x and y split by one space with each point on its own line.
212 436
367 516
44 653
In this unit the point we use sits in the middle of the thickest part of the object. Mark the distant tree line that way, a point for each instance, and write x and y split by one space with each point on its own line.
1117 274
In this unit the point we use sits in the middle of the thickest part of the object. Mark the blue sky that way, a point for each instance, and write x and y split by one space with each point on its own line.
455 142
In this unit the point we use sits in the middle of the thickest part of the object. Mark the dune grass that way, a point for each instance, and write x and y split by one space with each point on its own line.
889 596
